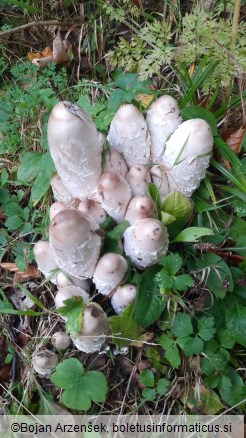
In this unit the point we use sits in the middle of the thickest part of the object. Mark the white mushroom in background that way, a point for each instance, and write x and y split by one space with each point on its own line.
146 242
74 147
187 155
64 280
60 192
60 340
138 177
45 259
109 272
92 210
123 297
114 194
159 177
95 329
65 293
114 162
163 117
128 134
75 243
44 362
140 207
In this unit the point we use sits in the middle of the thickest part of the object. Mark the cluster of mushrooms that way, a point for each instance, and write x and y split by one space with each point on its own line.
162 149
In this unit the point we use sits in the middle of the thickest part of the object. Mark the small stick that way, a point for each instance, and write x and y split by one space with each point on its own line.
36 23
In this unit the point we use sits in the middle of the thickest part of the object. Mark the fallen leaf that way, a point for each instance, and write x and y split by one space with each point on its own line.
59 49
145 99
234 141
19 277
191 69
38 55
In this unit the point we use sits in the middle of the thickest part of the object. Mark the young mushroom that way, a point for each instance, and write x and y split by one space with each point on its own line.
60 340
45 259
92 210
44 362
64 280
163 117
114 162
67 292
146 242
74 146
109 272
159 176
60 193
140 207
95 329
114 194
128 134
138 177
56 207
75 243
123 297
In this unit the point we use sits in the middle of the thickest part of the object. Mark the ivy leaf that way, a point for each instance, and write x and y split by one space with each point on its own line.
124 326
192 234
182 325
162 386
80 387
147 378
206 328
73 310
171 350
183 282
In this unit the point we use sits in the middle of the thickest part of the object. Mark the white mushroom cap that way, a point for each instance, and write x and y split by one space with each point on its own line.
114 162
159 177
114 194
63 280
95 329
128 134
163 117
60 340
44 362
140 207
138 177
109 272
123 297
146 242
69 292
187 155
56 207
75 243
74 147
61 194
92 210
45 259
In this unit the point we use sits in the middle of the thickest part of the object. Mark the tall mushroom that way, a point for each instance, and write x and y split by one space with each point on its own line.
61 194
114 162
74 147
45 259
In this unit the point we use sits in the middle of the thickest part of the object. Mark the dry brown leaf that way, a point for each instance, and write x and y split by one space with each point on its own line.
59 49
145 99
19 277
38 55
234 140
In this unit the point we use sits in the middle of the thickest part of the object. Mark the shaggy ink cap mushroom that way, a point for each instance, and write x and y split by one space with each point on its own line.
60 340
63 280
44 362
60 193
159 176
45 259
114 162
138 177
74 146
123 297
128 134
110 271
75 243
140 207
92 210
67 292
145 242
56 207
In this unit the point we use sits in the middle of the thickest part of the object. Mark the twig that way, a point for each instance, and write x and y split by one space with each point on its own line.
37 23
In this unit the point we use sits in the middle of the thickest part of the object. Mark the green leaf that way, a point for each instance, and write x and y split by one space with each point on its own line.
236 323
183 282
167 218
177 206
42 182
171 263
149 394
147 378
11 208
206 328
29 166
80 387
124 328
171 350
191 345
234 393
154 194
118 231
197 112
226 338
216 274
182 325
148 304
13 223
162 386
212 381
111 241
192 234
164 280
73 310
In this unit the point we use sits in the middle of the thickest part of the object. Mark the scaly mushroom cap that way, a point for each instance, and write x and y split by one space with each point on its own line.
75 243
146 242
45 259
128 134
114 194
92 210
63 280
159 177
69 292
44 362
61 194
74 147
187 155
123 297
56 207
94 330
60 340
138 177
163 117
114 162
109 272
140 207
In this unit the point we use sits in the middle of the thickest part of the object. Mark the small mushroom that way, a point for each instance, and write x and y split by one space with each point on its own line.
114 194
75 243
64 280
163 117
92 210
45 259
56 207
109 272
138 177
60 340
145 242
67 292
61 194
95 329
123 297
44 362
140 207
128 134
114 162
74 147
159 177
